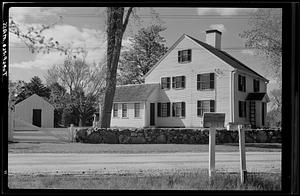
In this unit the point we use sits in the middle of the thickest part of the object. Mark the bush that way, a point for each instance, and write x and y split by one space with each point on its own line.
173 136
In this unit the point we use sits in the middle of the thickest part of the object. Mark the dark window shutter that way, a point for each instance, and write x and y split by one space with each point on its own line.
168 108
254 85
168 82
189 55
240 109
244 84
199 103
182 108
159 109
179 56
183 81
173 82
212 105
173 109
198 81
240 81
212 80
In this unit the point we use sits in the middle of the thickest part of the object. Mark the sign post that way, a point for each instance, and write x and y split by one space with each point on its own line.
212 121
71 133
243 171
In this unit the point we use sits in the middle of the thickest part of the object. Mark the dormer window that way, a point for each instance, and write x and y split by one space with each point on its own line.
184 56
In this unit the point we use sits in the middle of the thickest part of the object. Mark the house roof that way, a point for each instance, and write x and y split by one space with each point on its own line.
219 53
134 92
256 96
227 58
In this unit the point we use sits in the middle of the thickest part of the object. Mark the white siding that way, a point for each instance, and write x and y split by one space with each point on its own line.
24 111
202 62
130 120
241 96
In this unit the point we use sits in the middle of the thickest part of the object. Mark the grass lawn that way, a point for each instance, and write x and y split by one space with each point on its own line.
197 180
133 148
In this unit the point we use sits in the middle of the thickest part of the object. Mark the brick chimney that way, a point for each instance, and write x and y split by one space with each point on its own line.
213 38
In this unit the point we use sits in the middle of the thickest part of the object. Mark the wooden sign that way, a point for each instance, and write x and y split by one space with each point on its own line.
213 120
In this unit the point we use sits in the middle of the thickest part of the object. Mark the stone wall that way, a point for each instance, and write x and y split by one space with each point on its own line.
172 136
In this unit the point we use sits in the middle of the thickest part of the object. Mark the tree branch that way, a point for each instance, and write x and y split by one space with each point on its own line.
127 18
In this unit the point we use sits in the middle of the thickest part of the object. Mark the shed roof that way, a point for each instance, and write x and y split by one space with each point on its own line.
256 96
35 96
134 92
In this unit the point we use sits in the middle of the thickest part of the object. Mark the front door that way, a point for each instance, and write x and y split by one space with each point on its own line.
152 114
37 117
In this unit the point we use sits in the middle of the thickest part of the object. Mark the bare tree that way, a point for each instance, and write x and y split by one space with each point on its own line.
116 26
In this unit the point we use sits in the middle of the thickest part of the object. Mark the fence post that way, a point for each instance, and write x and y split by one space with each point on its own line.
212 144
243 171
71 132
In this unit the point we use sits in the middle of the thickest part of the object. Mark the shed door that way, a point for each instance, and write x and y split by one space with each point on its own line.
37 117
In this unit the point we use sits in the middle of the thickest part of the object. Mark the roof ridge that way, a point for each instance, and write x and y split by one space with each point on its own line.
136 84
227 55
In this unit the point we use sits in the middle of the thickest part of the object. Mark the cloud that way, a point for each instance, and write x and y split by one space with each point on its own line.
248 52
21 14
219 27
94 41
225 11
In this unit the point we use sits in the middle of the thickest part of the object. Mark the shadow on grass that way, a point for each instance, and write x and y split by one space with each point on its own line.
257 145
176 181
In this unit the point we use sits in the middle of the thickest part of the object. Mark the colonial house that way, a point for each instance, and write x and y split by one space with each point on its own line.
193 77
33 111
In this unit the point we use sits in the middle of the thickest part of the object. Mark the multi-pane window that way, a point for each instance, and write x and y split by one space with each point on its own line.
124 110
242 83
178 109
163 109
205 106
242 109
178 82
255 85
137 110
115 111
205 81
184 56
165 83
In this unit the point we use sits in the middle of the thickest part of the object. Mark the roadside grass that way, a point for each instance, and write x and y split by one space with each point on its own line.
176 181
133 148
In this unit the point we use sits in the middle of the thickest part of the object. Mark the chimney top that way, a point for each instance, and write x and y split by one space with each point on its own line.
214 31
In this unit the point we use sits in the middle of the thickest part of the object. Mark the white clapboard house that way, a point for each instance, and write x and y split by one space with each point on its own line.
193 77
34 110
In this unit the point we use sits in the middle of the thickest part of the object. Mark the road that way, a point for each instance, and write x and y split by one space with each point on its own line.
75 163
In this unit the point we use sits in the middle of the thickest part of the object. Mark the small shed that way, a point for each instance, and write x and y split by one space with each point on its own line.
36 111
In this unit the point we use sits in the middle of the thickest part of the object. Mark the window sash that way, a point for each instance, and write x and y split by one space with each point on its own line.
136 110
184 56
165 83
115 110
178 109
205 81
205 106
178 82
163 109
124 110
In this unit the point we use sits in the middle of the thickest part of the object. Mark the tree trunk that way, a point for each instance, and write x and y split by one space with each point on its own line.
115 29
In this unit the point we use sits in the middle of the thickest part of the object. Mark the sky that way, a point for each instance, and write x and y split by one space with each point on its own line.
85 27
